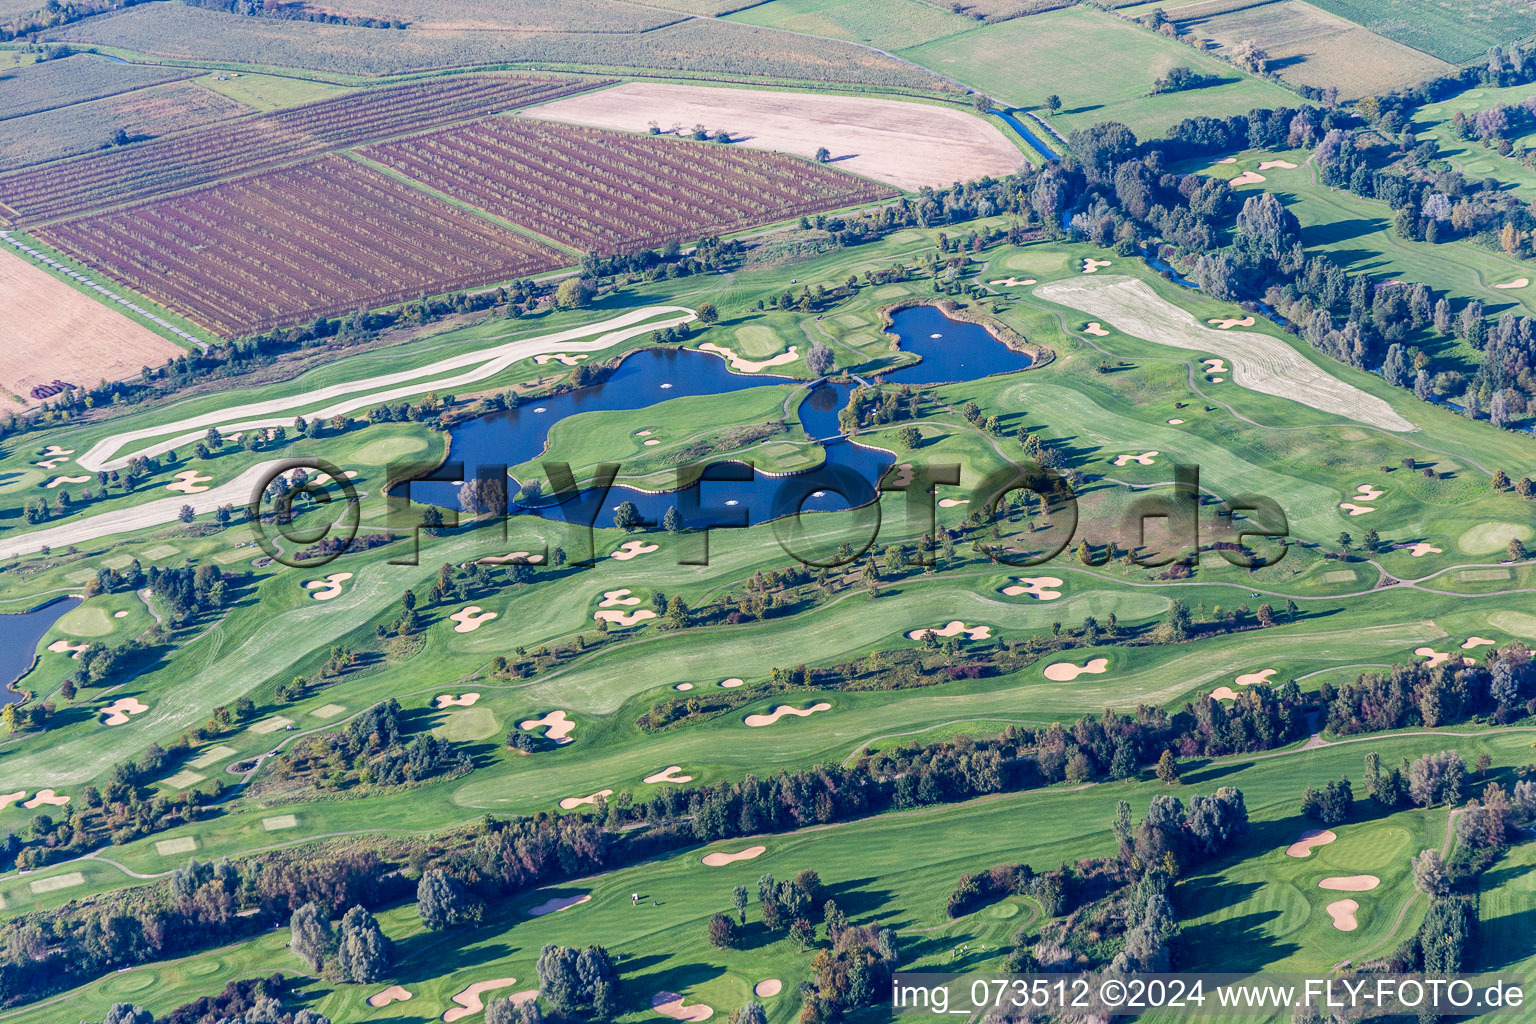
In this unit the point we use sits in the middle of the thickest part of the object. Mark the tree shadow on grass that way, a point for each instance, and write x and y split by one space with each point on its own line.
422 957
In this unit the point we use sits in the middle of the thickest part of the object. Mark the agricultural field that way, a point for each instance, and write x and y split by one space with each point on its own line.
591 189
999 10
1455 32
524 16
893 25
1020 62
59 83
269 92
1309 46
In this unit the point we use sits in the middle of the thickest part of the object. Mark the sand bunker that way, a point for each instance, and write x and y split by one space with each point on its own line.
60 480
393 994
1259 361
668 775
1065 671
1421 549
570 803
1246 178
190 482
1224 693
1231 322
1284 165
465 700
953 502
750 365
1350 883
1477 641
118 711
768 988
1355 510
329 587
1144 459
1437 657
555 904
1227 160
1343 914
1091 265
469 999
512 558
633 549
615 598
757 721
53 451
651 441
1215 365
1254 678
1365 492
46 796
559 727
1216 380
559 357
1304 843
1013 282
720 860
52 463
954 628
683 686
670 1004
470 618
6 799
120 615
624 619
1174 423
1519 282
1038 587
64 646
1096 329
732 683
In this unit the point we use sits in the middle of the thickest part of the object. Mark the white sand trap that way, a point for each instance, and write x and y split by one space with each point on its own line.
634 549
1421 549
190 482
1304 843
720 860
171 847
570 803
46 796
1091 265
683 686
327 711
329 587
65 647
1254 678
1355 510
52 463
1365 492
758 721
270 725
1215 365
1096 329
120 615
393 994
1350 883
616 598
732 683
211 756
1260 362
53 451
668 775
953 502
1519 282
118 711
750 365
1246 178
1013 282
768 988
559 727
555 904
1145 459
470 618
559 357
1227 160
643 433
1224 693
624 619
6 799
901 476
1174 423
651 441
463 700
670 1004
60 480
1474 642
512 558
469 999
1216 380
279 822
1038 587
1437 657
1065 671
1284 165
57 882
954 628
1228 323
1343 914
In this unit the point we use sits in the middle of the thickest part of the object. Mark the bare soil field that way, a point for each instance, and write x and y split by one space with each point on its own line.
905 144
1313 47
53 332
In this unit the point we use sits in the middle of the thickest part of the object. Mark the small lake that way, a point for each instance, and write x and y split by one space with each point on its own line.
19 636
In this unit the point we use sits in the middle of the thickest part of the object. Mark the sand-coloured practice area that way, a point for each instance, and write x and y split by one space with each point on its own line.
1343 914
557 725
1096 329
393 994
908 145
954 628
1312 837
189 482
329 587
634 549
1260 362
1144 459
469 999
768 988
1349 883
670 1004
743 365
56 333
758 721
1041 588
669 774
464 700
555 904
720 860
470 618
1254 678
570 803
118 711
1065 671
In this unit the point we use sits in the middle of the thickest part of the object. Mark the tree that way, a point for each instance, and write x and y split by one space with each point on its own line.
573 293
1053 103
819 359
311 935
672 520
127 1013
363 953
627 517
708 314
909 437
504 1011
186 514
722 932
751 1013
1167 769
823 154
739 898
1429 875
802 933
442 901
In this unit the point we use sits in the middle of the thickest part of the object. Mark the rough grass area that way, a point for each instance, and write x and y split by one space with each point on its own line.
1453 30
889 24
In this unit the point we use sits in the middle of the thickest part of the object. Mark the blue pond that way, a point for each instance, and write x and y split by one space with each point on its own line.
951 351
19 635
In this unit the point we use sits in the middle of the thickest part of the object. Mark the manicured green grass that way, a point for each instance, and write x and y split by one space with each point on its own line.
1470 157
